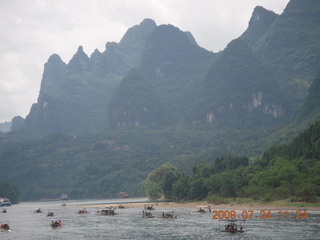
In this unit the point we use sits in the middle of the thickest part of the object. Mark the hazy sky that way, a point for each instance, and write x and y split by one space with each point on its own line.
32 30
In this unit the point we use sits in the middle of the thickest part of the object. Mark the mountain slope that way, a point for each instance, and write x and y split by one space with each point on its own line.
136 102
260 21
312 106
177 66
240 92
290 48
74 97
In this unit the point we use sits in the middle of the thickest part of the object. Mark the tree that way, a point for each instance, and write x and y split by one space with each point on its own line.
10 191
159 182
181 188
198 189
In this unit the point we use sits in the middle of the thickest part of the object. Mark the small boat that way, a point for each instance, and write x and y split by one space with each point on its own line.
38 210
5 202
168 215
50 214
232 226
82 211
56 223
107 212
64 197
4 227
202 210
147 214
149 207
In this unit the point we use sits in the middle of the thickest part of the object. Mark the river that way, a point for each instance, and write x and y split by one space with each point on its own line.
25 224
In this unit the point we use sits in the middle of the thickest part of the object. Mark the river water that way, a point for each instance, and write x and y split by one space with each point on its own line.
25 224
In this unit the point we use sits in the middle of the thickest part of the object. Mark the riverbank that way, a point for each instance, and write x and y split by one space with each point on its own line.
234 205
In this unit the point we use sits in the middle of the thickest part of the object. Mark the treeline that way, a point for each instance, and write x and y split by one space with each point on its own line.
306 145
287 171
102 165
10 191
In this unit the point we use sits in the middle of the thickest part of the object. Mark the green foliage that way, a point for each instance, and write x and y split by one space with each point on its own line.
136 102
101 165
10 191
289 48
159 182
181 188
240 92
287 171
306 145
311 108
198 189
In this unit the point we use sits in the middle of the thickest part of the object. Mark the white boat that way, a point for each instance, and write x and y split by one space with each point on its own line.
64 197
5 202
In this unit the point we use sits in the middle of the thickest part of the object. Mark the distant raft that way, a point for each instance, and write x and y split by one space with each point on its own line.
168 215
107 212
232 226
82 211
56 223
50 214
147 214
4 227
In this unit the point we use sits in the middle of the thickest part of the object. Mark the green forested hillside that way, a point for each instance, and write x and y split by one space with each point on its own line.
176 65
100 165
288 48
285 171
136 102
240 92
311 108
306 145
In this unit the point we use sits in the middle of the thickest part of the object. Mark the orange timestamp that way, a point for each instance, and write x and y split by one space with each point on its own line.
262 214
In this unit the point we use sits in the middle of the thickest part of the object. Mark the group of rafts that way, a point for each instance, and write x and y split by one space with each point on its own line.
231 225
54 222
147 213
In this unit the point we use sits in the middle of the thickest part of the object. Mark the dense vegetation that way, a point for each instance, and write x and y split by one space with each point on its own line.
10 191
172 108
240 92
286 171
101 165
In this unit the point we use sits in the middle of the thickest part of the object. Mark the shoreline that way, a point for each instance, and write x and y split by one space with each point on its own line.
198 204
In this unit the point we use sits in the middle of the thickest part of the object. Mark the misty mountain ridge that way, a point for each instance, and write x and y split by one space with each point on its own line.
240 87
289 46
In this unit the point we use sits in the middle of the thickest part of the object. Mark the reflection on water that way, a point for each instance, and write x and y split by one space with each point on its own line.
129 224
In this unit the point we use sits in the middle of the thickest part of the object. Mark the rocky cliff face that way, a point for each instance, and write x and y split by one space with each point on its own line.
260 21
289 47
240 91
74 97
177 65
136 103
312 106
245 85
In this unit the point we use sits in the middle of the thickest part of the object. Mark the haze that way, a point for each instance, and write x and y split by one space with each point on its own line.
33 30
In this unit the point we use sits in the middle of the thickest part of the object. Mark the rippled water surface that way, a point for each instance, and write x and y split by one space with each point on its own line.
128 224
